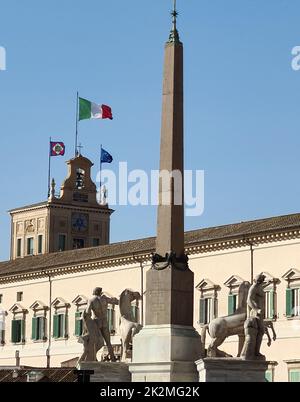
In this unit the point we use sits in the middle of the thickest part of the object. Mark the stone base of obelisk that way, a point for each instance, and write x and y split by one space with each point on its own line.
232 370
106 372
165 353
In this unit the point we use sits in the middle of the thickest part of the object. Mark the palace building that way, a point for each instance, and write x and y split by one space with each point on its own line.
43 291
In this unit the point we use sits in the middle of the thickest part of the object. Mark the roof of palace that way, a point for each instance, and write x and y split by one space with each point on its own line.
196 241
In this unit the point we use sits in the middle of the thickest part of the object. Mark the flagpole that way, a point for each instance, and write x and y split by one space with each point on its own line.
100 171
49 168
77 111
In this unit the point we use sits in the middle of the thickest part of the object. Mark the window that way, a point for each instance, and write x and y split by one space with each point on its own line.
40 244
111 319
30 246
78 243
38 328
19 296
18 331
208 302
293 302
232 303
270 303
294 375
2 337
237 290
2 327
61 242
80 177
1 299
78 323
80 302
19 247
206 310
96 242
59 326
269 376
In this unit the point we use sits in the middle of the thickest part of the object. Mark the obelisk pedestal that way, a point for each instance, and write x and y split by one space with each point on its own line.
168 346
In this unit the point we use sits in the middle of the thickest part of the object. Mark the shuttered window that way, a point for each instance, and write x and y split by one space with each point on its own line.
2 336
78 323
38 328
207 310
270 303
2 326
232 304
292 302
17 331
59 326
269 376
111 317
135 313
19 247
40 244
294 376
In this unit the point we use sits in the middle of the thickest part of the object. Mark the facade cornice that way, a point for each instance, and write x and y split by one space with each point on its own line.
28 209
197 247
49 205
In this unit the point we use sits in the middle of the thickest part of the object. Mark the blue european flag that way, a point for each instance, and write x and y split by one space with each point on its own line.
105 156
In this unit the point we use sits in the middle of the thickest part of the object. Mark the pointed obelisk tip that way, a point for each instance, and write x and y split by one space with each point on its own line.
174 35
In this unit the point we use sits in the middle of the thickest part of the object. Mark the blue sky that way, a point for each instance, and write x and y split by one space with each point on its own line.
242 100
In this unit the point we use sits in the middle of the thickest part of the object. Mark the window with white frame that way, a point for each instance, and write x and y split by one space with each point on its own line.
270 289
293 367
60 319
292 298
233 283
39 321
208 301
293 302
80 302
30 246
111 317
294 375
2 327
18 323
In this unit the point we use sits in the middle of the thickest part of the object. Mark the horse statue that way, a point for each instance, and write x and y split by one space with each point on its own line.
222 327
128 326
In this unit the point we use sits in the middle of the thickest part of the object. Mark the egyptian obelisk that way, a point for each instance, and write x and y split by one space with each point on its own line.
168 346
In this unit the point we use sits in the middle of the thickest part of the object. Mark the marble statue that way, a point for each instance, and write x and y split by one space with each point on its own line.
104 195
96 330
255 326
128 326
222 327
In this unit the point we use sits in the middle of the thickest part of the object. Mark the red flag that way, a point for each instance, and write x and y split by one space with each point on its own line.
106 112
57 148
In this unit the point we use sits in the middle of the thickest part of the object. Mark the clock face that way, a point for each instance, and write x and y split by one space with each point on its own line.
79 222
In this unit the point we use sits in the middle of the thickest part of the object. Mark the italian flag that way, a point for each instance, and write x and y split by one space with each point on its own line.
90 110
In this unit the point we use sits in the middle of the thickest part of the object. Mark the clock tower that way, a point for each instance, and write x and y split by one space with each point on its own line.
71 220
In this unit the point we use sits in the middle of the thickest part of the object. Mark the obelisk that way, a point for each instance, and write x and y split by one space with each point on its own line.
168 346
